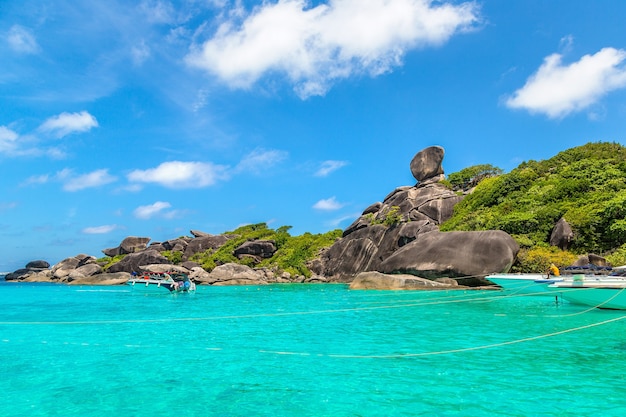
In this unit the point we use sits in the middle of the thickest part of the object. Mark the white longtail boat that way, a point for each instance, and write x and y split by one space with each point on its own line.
171 281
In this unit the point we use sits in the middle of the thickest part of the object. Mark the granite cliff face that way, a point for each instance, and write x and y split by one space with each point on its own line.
401 235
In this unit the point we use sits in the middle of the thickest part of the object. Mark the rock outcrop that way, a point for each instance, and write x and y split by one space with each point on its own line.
454 254
562 235
395 244
378 281
401 234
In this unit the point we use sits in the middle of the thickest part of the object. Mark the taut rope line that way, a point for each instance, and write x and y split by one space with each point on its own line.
445 352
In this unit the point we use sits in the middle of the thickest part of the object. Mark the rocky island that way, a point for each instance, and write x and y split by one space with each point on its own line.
394 244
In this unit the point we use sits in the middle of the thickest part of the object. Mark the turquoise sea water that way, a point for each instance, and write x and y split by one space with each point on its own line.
305 350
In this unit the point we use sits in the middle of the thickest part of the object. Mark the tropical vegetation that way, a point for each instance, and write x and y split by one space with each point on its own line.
585 185
292 255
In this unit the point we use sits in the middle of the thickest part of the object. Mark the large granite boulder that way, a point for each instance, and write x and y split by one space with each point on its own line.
377 281
117 278
256 249
562 235
454 254
235 274
38 264
62 270
133 262
203 243
131 244
426 164
84 271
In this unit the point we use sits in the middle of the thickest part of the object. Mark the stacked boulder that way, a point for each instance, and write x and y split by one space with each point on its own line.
401 235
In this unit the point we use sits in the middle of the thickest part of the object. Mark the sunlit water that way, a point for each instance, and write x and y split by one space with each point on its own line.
305 350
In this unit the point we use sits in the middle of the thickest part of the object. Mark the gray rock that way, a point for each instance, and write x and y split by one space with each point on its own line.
84 271
562 235
39 264
62 270
131 244
454 254
427 163
235 274
197 233
204 243
118 278
132 262
377 281
258 249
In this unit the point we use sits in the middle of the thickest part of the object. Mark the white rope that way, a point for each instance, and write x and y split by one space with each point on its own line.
445 352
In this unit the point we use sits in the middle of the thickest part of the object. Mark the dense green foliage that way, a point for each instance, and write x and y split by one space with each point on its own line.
585 185
469 177
292 255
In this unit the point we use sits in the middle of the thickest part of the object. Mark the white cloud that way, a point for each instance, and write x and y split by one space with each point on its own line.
328 167
36 179
348 218
157 11
328 204
146 212
140 53
316 46
8 139
558 90
66 123
22 40
90 180
100 230
177 174
260 160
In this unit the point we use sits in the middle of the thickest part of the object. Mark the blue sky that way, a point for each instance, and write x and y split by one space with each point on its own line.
152 118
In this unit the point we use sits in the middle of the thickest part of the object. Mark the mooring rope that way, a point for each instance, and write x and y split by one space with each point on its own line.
242 316
450 351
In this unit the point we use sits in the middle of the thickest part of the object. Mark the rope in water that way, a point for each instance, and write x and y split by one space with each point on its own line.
409 303
243 316
449 351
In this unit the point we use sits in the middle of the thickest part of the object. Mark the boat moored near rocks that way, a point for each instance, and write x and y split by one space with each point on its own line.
172 281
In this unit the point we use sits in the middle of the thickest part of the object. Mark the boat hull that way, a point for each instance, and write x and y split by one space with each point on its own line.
524 283
600 297
156 285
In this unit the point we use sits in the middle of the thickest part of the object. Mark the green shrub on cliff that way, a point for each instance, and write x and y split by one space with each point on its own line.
586 185
292 254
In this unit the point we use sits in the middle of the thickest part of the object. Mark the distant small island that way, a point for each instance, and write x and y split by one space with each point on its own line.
455 230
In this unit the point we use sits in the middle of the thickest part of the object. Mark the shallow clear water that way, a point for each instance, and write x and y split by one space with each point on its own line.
305 350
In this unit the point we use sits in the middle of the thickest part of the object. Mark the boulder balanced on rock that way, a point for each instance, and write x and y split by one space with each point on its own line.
401 234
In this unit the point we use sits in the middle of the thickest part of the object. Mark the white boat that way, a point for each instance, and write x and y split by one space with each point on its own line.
524 283
173 282
607 292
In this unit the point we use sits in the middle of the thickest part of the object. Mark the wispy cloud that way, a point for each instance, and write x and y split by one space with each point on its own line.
313 47
8 139
260 160
157 209
327 167
177 174
74 182
329 204
36 179
66 123
557 90
100 230
21 40
341 220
